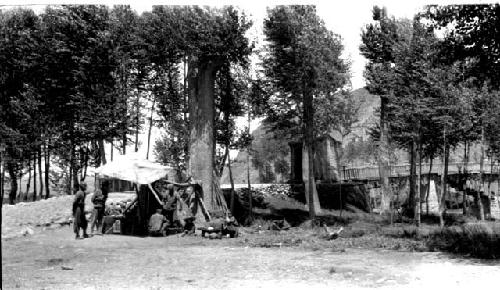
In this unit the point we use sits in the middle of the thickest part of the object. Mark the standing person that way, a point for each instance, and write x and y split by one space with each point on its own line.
171 200
105 190
98 212
79 220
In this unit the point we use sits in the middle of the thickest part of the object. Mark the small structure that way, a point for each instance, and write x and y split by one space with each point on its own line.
326 158
134 173
495 208
433 198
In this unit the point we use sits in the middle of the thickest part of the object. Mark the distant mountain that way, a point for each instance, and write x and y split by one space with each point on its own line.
367 114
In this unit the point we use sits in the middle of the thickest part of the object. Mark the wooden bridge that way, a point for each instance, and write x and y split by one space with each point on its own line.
402 170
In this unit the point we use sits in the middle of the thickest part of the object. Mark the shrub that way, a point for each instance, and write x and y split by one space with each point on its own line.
407 232
457 220
480 240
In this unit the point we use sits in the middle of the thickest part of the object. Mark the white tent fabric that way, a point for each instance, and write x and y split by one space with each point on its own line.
134 169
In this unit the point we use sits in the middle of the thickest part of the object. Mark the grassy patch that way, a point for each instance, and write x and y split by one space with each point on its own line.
357 235
463 235
408 231
480 240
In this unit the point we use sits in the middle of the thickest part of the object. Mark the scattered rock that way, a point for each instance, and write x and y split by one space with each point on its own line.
27 231
54 261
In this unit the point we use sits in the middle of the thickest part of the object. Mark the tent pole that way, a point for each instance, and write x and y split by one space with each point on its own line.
154 193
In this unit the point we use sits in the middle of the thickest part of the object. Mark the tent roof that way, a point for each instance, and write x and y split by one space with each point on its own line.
134 169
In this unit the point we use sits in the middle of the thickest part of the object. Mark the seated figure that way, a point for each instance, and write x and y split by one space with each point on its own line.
157 224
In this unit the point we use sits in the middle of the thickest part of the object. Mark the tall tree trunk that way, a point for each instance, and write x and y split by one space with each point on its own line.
70 173
20 194
481 178
428 186
418 204
464 193
490 176
102 152
112 147
2 175
137 120
498 182
11 167
2 182
83 173
40 171
185 93
250 196
444 180
413 173
73 180
124 85
308 158
339 172
35 158
124 145
28 182
186 108
76 182
231 180
47 170
383 160
201 127
305 177
150 126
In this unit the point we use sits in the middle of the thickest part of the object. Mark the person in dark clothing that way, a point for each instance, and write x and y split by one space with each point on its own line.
80 222
189 226
98 213
171 200
105 190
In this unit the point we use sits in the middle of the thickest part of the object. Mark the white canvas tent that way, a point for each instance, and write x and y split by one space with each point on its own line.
135 169
142 172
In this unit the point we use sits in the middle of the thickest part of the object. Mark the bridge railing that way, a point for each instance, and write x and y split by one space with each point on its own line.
372 171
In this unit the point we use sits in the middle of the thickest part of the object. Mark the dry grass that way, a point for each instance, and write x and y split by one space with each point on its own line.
355 235
480 240
462 235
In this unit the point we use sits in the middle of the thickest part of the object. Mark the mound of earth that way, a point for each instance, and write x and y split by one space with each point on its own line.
25 218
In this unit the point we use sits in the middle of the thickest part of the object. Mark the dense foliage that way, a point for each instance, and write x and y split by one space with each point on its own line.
75 77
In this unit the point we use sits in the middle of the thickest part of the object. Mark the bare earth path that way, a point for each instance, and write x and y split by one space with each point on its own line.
122 262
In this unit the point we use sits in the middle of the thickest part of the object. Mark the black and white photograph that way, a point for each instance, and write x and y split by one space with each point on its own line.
250 144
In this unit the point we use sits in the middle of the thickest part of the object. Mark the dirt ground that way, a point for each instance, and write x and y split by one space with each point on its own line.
52 259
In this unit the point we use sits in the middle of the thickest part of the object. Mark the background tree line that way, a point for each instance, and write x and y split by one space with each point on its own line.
75 78
438 77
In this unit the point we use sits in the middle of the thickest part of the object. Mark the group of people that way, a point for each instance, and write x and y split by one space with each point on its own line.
171 202
80 222
167 216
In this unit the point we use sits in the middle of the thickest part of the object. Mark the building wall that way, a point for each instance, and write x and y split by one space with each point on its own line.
325 160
